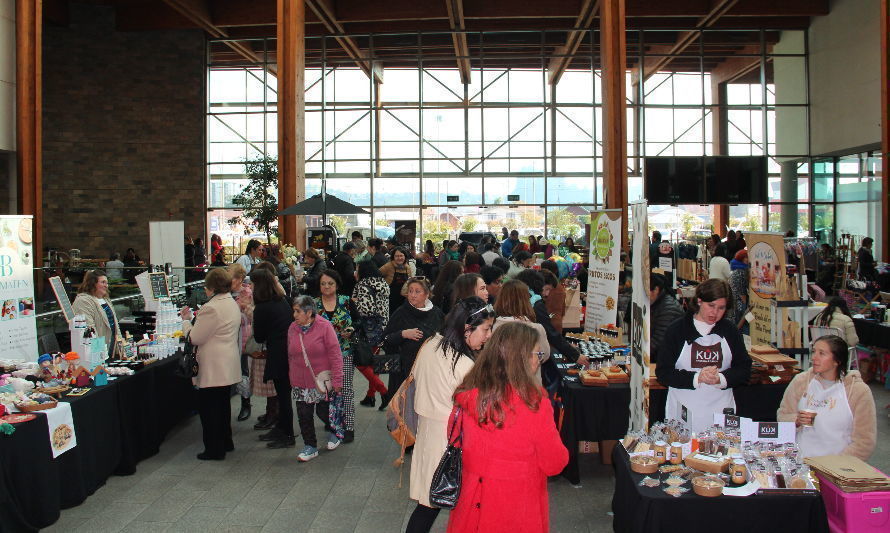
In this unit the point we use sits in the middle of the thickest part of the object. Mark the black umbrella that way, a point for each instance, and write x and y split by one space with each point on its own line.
316 205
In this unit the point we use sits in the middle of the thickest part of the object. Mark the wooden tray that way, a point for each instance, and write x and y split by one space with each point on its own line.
770 359
38 407
763 349
598 381
617 377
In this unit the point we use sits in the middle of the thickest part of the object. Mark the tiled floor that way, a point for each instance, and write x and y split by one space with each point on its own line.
352 489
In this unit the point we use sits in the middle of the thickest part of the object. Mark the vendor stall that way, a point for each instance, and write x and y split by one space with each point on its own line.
116 426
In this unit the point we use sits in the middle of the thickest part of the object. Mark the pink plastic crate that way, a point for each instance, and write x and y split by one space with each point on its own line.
859 512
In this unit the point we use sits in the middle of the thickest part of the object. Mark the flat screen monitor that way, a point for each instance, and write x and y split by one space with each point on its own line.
674 180
736 180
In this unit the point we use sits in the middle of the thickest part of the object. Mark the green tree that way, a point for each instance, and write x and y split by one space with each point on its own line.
339 223
436 231
258 201
528 219
561 224
469 224
688 221
751 222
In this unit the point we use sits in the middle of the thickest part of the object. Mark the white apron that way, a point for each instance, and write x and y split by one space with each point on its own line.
832 429
703 402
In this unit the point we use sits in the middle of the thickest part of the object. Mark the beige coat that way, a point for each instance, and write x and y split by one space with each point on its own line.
88 306
215 335
436 382
844 323
862 404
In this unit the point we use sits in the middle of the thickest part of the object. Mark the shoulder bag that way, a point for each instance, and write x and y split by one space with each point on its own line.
445 488
324 379
188 365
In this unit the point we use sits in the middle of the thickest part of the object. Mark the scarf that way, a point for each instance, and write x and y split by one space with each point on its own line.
454 256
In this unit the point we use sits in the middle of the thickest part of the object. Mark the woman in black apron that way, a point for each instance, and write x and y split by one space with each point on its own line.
396 273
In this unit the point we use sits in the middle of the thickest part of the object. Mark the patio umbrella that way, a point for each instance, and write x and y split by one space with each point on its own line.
318 205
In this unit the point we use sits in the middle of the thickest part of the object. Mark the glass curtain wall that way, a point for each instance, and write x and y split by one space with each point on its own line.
508 149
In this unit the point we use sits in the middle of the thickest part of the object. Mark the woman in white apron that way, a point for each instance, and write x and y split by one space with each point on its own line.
833 409
702 357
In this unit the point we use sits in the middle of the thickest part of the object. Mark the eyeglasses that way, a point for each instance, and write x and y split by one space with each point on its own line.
488 308
540 356
328 284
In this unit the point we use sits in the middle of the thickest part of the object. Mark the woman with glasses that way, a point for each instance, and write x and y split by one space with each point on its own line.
409 326
339 310
509 439
396 272
442 363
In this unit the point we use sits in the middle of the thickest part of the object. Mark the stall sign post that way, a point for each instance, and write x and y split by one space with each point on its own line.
602 273
18 321
766 256
639 330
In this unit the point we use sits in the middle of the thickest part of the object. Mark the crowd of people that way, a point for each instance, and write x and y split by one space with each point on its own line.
475 327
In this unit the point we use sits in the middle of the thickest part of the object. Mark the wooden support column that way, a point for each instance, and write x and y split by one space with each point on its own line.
614 59
885 130
719 129
29 115
291 54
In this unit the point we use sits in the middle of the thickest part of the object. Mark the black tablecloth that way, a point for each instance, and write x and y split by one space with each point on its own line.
872 333
117 426
641 509
591 414
757 402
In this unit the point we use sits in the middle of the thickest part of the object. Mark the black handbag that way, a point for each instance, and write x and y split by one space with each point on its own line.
386 363
445 488
361 350
188 365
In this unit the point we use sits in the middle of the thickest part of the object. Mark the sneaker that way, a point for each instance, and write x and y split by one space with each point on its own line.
308 453
333 441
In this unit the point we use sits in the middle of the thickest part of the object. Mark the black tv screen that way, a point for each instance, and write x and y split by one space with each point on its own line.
674 180
736 180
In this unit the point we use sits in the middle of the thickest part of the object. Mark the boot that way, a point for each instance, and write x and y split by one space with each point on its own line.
268 420
369 401
245 410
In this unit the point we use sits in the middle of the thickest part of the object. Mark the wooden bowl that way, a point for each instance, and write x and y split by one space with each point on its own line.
644 464
708 486
39 407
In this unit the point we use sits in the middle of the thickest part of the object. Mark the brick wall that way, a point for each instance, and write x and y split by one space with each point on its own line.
123 133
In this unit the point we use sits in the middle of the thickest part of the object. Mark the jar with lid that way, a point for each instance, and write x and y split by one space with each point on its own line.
676 453
738 472
660 451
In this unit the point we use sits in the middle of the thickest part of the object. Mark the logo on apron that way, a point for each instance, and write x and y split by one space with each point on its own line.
702 356
732 422
767 430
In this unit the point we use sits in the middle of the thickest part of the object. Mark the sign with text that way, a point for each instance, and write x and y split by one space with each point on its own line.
639 321
18 322
766 256
602 273
777 432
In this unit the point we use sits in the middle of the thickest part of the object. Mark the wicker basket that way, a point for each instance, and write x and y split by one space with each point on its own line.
53 391
39 407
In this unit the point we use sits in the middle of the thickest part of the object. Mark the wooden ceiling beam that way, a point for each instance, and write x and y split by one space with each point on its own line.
734 68
565 53
198 12
684 40
461 49
325 12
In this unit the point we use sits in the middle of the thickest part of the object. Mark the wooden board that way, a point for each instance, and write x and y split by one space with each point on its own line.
771 359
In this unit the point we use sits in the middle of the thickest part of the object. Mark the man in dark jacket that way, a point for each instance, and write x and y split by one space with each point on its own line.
376 252
344 264
664 309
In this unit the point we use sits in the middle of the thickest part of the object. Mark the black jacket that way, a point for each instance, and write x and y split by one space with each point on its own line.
271 321
663 312
311 279
681 332
407 317
380 259
558 343
344 264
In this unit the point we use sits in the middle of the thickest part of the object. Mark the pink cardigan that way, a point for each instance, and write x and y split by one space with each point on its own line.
322 349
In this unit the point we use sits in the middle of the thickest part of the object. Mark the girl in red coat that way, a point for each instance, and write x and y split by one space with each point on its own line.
510 442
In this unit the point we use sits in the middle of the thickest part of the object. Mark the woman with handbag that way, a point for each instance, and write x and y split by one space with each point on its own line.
508 438
339 310
316 373
272 317
215 336
413 323
442 363
371 299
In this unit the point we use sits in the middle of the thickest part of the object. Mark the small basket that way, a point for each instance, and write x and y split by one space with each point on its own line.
39 407
708 486
641 464
53 391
